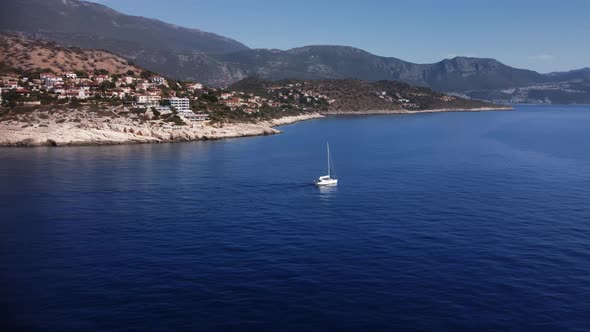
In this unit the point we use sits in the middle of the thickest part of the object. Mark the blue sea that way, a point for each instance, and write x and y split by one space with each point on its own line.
440 222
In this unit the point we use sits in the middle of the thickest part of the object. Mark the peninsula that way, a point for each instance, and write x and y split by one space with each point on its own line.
58 95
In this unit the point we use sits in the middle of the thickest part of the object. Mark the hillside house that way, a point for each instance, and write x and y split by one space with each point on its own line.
233 102
190 115
148 100
50 79
78 93
158 80
195 86
144 85
22 91
102 78
12 84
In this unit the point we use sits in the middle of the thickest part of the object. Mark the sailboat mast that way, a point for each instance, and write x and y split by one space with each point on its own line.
328 147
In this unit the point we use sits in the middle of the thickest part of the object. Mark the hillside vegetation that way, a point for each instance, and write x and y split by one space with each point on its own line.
355 96
25 54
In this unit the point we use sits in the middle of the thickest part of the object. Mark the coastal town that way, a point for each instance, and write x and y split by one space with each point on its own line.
154 95
57 95
79 107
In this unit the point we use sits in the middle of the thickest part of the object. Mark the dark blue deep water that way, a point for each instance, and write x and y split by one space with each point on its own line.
441 222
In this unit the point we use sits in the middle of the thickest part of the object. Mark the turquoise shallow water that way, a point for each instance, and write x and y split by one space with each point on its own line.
443 222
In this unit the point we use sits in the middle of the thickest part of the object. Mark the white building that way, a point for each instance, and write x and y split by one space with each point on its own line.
190 115
102 78
76 93
71 75
11 85
143 85
196 86
50 79
149 100
158 80
180 104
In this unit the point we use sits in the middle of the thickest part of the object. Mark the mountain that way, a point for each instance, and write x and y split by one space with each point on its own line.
168 49
93 25
571 87
320 62
476 78
463 74
572 75
193 54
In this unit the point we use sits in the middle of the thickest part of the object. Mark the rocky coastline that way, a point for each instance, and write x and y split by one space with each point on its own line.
119 130
80 128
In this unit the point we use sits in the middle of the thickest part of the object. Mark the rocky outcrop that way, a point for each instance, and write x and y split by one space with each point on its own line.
78 128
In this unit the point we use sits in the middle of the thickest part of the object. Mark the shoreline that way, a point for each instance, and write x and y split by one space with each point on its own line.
436 110
95 133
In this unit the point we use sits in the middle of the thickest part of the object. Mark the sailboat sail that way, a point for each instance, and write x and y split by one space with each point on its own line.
328 148
327 180
331 171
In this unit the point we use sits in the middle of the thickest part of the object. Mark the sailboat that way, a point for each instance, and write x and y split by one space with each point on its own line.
327 180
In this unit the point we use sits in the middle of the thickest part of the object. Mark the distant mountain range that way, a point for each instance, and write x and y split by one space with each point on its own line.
215 60
318 62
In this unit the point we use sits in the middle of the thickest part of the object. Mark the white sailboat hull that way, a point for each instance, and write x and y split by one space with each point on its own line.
325 181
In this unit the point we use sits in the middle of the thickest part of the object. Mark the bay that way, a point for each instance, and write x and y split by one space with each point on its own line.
443 222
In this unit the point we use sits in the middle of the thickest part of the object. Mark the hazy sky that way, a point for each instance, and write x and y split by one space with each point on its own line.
542 35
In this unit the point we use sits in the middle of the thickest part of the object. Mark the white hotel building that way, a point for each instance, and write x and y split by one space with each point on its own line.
183 107
180 104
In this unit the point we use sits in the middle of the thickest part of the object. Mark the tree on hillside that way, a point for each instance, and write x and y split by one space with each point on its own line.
209 98
146 74
106 85
165 90
101 72
11 98
81 74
